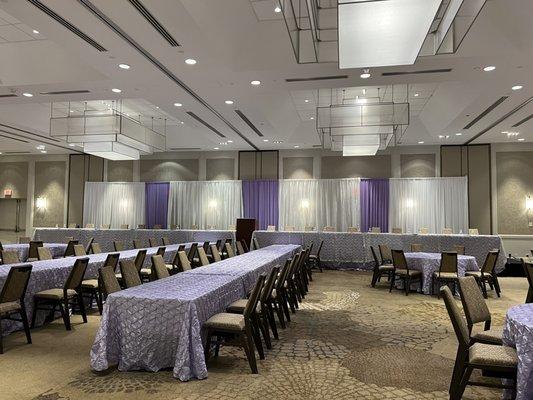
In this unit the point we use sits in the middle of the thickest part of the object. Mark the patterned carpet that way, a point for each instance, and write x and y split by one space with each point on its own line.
347 341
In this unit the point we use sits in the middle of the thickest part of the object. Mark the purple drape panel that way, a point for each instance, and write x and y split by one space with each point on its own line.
157 204
374 204
260 200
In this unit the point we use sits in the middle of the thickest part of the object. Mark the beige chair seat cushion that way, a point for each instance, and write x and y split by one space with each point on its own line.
170 267
226 322
8 307
274 294
55 294
491 336
313 256
477 274
90 284
146 271
445 275
386 267
411 272
238 306
492 355
119 276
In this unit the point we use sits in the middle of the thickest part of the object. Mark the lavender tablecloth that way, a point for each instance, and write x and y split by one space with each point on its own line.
158 325
429 263
352 250
518 333
57 249
49 274
105 237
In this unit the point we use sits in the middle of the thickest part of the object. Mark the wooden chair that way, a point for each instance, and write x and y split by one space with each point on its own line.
138 244
447 271
96 248
229 250
447 231
183 262
375 229
72 225
528 269
24 240
476 311
289 228
240 249
89 226
314 259
129 273
256 243
416 248
215 253
153 242
109 282
397 230
159 270
174 226
88 246
401 270
192 252
380 268
93 287
161 251
385 253
202 256
10 257
141 226
473 231
279 299
309 228
157 226
166 241
244 245
44 253
500 361
33 254
329 229
124 226
118 245
353 229
240 327
487 274
271 228
144 273
68 239
69 251
12 299
459 249
79 250
61 298
423 231
105 226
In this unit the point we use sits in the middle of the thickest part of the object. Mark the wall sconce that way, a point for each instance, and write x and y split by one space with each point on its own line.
212 204
409 203
41 203
305 204
529 210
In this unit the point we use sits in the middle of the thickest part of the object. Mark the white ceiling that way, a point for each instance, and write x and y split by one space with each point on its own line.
235 42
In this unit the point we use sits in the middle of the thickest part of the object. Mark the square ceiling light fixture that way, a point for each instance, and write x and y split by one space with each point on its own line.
377 33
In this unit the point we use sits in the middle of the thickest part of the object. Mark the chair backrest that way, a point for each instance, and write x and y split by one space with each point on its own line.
271 228
458 321
254 297
34 245
219 244
76 274
166 241
89 244
139 259
16 283
161 251
192 251
319 248
256 243
423 231
183 261
353 229
448 262
240 249
129 273
118 245
24 240
68 238
385 253
79 250
459 249
153 242
10 257
138 244
96 248
490 261
206 246
105 226
89 226
112 260
44 253
375 229
194 227
158 226
69 251
266 293
108 280
397 230
141 226
1 247
398 259
377 263
181 247
416 247
231 227
159 269
283 275
329 229
124 226
289 228
244 245
473 231
528 269
215 253
229 250
474 304
202 256
173 226
72 225
309 228
447 231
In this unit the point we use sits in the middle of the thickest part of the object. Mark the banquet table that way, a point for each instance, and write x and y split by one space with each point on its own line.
105 237
429 263
518 333
57 249
48 274
352 250
159 324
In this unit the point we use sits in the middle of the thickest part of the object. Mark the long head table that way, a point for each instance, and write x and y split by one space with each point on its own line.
105 237
49 274
352 250
159 324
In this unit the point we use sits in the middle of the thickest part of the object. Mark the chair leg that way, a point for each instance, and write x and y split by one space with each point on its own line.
464 382
25 323
257 339
98 296
407 284
265 330
392 282
484 288
81 305
319 263
375 278
64 313
34 313
249 350
272 321
207 349
497 286
458 371
1 338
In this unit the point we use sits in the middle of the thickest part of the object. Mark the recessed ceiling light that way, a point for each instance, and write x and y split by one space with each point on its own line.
277 9
421 142
177 104
312 118
72 145
230 141
215 148
43 151
0 152
417 94
306 100
27 94
157 107
115 90
447 136
489 68
265 140
278 141
36 31
124 66
441 137
229 102
296 146
517 87
521 139
458 134
365 74
40 147
190 61
255 83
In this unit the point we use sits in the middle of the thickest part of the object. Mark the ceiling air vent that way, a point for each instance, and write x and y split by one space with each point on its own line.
16 152
185 148
8 95
487 111
154 22
522 121
12 138
317 78
65 92
248 122
68 25
424 71
200 120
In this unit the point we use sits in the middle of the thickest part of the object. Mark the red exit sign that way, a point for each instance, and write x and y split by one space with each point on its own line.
8 192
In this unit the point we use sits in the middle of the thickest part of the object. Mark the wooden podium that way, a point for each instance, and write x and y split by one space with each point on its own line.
245 227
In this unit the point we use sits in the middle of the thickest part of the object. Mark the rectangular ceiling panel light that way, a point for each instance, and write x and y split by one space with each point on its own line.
383 32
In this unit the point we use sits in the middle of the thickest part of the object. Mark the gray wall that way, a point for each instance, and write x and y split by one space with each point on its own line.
298 168
219 169
120 171
514 183
50 184
378 166
14 176
258 164
8 214
168 170
417 165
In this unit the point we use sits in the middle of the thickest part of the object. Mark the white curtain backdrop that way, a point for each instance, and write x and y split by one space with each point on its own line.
114 204
319 203
205 204
433 203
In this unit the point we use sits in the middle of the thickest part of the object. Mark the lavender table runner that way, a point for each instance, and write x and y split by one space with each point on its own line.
518 333
57 249
158 325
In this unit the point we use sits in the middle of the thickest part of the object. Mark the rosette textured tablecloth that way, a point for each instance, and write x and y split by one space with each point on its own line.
159 324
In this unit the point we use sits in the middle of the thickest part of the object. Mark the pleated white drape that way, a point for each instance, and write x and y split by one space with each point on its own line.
319 203
114 203
215 204
433 203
